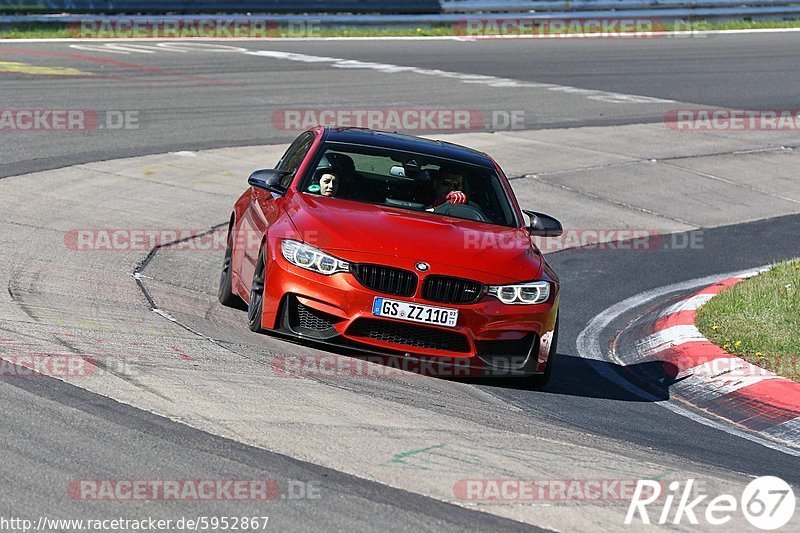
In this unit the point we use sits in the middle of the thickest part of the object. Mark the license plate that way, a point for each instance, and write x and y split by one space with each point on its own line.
426 314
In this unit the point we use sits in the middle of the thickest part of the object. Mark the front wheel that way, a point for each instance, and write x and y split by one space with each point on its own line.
255 307
225 294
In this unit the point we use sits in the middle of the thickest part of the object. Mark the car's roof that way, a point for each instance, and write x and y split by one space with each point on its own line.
398 141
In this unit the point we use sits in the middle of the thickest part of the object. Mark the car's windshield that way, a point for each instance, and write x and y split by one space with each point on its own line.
410 180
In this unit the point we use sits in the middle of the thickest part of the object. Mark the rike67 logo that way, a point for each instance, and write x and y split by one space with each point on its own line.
767 502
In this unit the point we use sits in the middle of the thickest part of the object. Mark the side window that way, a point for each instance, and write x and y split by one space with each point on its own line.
294 156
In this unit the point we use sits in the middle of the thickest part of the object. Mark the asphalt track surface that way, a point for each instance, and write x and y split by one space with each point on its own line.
195 100
54 432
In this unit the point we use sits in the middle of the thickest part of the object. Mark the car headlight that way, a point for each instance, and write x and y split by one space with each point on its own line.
533 292
310 258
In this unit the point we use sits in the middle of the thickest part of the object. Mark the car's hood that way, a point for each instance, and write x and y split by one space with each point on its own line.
354 229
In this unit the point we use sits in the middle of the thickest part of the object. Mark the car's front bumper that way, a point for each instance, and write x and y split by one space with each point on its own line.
338 309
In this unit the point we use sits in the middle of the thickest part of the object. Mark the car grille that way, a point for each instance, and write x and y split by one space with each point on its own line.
310 318
445 289
386 279
409 335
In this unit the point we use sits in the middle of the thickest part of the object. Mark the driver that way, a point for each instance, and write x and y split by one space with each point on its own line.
448 186
328 184
333 176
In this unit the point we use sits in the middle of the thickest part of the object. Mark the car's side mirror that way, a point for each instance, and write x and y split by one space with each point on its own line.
543 225
268 179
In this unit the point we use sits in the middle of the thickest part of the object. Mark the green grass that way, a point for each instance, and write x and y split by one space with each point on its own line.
759 320
57 30
702 25
430 31
34 31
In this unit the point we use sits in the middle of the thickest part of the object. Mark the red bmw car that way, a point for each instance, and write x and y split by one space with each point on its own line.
398 245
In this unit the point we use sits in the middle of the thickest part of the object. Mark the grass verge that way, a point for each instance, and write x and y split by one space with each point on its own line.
51 30
759 320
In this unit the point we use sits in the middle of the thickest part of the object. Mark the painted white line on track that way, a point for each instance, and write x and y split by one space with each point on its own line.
386 68
491 81
117 48
105 48
180 46
589 347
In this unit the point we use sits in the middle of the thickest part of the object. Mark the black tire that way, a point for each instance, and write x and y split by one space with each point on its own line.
255 306
540 380
225 294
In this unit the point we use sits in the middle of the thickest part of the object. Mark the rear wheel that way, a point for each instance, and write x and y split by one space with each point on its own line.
540 380
225 293
255 307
